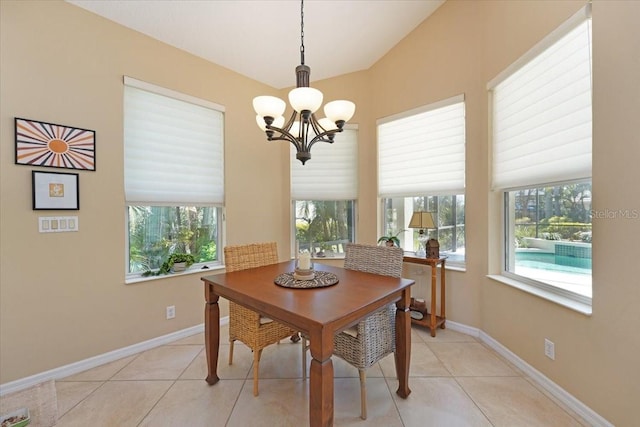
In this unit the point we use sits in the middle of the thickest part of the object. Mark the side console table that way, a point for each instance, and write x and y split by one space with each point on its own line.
430 320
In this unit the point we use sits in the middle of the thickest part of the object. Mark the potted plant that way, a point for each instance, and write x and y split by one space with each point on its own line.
391 240
177 261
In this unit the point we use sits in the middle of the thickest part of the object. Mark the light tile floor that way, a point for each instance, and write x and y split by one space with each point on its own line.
455 381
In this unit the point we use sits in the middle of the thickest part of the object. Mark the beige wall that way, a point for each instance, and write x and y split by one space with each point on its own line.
62 295
458 50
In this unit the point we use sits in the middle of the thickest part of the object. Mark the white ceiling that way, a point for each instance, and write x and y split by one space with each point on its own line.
261 38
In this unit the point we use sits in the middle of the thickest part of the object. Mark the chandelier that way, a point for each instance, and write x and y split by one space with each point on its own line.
302 129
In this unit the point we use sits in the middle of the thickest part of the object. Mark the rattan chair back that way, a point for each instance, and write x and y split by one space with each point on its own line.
244 324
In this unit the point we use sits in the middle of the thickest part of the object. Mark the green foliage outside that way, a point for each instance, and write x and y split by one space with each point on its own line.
167 265
321 223
563 213
156 232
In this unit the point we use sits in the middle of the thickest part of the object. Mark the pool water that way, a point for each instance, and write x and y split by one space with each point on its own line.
552 262
566 272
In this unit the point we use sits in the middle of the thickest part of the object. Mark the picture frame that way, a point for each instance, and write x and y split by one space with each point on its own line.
55 191
52 145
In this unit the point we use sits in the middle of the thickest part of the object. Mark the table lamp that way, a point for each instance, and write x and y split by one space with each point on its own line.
422 220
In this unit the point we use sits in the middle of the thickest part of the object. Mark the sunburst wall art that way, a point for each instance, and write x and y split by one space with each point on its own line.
56 146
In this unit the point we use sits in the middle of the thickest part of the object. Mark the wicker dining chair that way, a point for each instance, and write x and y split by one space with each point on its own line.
374 337
246 325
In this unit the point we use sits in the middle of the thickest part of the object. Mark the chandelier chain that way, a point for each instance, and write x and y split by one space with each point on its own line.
302 32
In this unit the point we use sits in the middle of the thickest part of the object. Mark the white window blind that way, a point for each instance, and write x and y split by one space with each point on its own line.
173 147
332 171
423 151
542 111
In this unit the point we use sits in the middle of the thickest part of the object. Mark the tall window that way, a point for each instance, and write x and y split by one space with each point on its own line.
324 193
541 147
174 174
421 167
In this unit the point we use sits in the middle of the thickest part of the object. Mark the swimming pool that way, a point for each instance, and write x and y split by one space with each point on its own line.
531 258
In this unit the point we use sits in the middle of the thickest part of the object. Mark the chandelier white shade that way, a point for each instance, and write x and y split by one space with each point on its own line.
269 106
303 129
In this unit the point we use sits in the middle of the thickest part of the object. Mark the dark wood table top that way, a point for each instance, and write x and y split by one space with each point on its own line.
340 305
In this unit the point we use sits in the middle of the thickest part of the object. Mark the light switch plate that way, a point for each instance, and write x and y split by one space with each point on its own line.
57 224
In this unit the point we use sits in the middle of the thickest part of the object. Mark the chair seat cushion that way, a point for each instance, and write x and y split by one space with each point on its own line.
353 331
265 320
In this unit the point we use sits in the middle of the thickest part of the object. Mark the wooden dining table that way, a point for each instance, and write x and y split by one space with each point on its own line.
320 313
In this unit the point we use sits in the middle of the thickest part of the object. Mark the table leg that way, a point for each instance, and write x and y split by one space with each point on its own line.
433 319
443 305
321 380
211 333
403 344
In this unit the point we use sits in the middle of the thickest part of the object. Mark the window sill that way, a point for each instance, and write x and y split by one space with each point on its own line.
457 267
202 271
566 302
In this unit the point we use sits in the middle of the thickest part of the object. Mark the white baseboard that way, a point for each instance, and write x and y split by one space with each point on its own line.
582 410
92 362
467 330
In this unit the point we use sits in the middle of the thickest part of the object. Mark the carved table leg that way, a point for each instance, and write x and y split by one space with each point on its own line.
403 344
211 333
321 380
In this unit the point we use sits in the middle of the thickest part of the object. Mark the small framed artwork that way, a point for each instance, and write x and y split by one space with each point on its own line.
55 146
55 191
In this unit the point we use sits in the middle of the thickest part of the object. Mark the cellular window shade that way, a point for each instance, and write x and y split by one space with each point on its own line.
332 171
173 151
542 116
423 153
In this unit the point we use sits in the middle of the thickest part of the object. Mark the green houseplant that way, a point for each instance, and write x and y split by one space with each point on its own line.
391 240
167 265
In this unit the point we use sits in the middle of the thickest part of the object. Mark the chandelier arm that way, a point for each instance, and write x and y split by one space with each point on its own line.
321 132
320 138
287 126
284 136
305 134
317 127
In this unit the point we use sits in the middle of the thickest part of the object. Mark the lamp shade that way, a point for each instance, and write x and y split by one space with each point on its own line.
339 110
422 220
305 99
269 106
327 124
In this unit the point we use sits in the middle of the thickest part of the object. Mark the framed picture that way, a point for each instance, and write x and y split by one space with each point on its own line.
55 191
55 146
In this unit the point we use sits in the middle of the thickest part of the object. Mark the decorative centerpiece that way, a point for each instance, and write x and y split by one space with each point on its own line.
304 267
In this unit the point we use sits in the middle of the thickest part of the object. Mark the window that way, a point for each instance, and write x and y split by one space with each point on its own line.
541 143
324 193
549 235
421 166
174 188
448 213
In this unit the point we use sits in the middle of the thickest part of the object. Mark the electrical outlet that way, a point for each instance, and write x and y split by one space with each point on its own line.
171 312
549 349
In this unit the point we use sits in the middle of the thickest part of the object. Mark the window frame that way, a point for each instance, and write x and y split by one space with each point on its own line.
344 192
564 297
451 262
446 119
217 205
197 267
354 219
507 261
